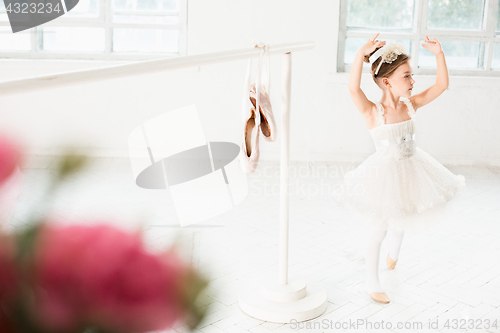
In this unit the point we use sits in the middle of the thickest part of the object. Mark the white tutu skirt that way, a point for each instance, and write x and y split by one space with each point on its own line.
407 194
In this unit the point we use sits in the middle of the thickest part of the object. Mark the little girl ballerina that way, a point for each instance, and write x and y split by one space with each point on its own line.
399 187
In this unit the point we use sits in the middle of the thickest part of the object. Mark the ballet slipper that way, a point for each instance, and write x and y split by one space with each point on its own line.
378 296
249 152
267 122
389 262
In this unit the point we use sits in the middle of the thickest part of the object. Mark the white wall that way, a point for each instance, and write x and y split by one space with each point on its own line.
458 127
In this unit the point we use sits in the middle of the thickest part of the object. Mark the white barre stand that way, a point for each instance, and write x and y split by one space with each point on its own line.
274 298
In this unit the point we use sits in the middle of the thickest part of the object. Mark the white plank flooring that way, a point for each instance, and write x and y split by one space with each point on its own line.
449 272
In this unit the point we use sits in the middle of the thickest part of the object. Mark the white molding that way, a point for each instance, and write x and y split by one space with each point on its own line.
442 35
415 42
341 35
183 35
454 72
86 56
424 7
82 24
491 18
106 15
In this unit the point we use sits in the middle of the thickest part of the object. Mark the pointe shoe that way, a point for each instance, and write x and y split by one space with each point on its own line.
378 296
267 122
389 262
249 152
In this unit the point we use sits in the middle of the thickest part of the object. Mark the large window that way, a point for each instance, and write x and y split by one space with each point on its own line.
102 29
469 31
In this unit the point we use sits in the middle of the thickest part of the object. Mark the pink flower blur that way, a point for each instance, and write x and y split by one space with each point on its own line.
10 156
8 270
101 275
8 282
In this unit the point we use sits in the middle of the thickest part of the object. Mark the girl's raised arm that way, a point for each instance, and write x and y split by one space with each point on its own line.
442 78
358 96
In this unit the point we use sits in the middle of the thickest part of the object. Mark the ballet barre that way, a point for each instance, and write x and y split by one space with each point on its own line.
142 67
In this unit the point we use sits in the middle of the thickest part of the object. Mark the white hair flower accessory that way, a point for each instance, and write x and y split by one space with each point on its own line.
389 53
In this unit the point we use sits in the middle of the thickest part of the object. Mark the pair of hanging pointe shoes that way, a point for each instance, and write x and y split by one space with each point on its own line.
250 145
382 297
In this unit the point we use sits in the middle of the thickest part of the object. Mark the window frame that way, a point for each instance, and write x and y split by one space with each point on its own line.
486 35
103 20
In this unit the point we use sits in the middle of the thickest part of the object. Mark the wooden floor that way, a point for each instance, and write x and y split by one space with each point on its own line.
451 272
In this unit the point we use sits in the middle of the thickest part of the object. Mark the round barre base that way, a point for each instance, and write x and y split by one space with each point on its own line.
252 300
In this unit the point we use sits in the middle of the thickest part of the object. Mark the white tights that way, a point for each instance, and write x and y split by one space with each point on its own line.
373 254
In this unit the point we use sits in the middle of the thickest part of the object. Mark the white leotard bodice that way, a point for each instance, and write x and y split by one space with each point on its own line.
397 140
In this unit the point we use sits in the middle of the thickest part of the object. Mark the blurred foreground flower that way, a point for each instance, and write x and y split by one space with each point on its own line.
58 278
10 157
11 177
8 281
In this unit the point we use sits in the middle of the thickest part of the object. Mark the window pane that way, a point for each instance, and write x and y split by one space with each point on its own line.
85 8
9 41
495 62
459 55
379 14
133 5
152 19
145 11
72 39
455 14
352 45
145 40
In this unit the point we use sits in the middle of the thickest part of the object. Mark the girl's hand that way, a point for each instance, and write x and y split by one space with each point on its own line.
371 45
434 46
